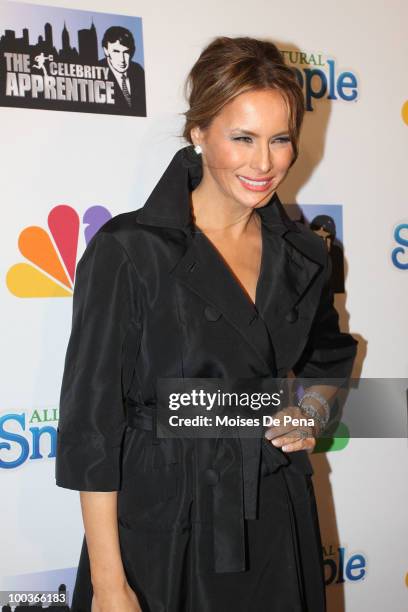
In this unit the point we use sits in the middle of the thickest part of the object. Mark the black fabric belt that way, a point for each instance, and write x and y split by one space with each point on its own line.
142 416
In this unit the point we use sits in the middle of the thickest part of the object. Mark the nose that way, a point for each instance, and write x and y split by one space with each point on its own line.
262 158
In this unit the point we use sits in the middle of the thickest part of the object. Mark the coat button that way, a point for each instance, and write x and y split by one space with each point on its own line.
211 476
292 316
211 313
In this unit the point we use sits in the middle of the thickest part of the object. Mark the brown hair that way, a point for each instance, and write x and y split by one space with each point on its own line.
228 67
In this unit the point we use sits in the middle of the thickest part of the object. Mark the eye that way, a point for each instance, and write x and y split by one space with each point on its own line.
243 138
282 139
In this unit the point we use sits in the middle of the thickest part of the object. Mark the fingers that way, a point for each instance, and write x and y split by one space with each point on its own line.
295 438
295 443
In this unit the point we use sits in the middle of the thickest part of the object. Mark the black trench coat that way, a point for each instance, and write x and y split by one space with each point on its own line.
204 525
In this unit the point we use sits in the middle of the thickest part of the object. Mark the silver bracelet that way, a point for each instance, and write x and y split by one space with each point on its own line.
320 398
313 412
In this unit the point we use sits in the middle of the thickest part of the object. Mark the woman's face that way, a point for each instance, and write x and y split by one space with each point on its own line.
247 149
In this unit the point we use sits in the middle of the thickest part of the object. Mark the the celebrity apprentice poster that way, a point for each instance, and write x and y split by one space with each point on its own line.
69 60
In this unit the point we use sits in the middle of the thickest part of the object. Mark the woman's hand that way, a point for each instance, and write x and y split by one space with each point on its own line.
289 437
120 600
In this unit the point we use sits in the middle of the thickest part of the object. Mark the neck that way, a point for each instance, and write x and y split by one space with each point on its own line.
214 211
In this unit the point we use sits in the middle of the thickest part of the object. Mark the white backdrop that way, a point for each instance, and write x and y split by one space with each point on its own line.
352 153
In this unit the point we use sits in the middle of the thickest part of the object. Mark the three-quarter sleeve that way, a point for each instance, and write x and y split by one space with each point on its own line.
329 353
92 418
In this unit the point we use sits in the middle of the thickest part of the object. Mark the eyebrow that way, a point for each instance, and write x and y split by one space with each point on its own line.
249 133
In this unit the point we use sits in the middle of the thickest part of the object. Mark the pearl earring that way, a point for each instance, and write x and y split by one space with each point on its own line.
198 149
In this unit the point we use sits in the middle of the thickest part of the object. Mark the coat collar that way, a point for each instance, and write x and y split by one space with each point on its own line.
169 203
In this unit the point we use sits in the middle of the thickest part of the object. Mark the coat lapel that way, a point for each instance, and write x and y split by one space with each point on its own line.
288 275
289 263
285 308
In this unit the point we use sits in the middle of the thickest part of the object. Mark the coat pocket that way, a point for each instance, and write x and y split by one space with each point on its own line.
163 468
152 475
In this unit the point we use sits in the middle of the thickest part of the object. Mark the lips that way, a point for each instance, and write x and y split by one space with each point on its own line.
255 184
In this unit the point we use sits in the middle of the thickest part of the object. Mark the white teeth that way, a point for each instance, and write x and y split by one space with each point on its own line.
255 183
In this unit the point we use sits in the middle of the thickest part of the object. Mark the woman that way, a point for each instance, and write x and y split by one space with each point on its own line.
210 279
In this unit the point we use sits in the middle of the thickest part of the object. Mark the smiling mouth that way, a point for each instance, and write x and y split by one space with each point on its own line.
255 185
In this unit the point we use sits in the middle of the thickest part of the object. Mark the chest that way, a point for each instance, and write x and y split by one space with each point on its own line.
242 258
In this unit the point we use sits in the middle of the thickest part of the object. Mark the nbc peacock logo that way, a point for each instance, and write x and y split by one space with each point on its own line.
51 254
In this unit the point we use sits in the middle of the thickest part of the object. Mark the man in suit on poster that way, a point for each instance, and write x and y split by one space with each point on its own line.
128 77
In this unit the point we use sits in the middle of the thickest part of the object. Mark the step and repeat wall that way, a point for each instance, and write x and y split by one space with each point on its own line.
80 145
